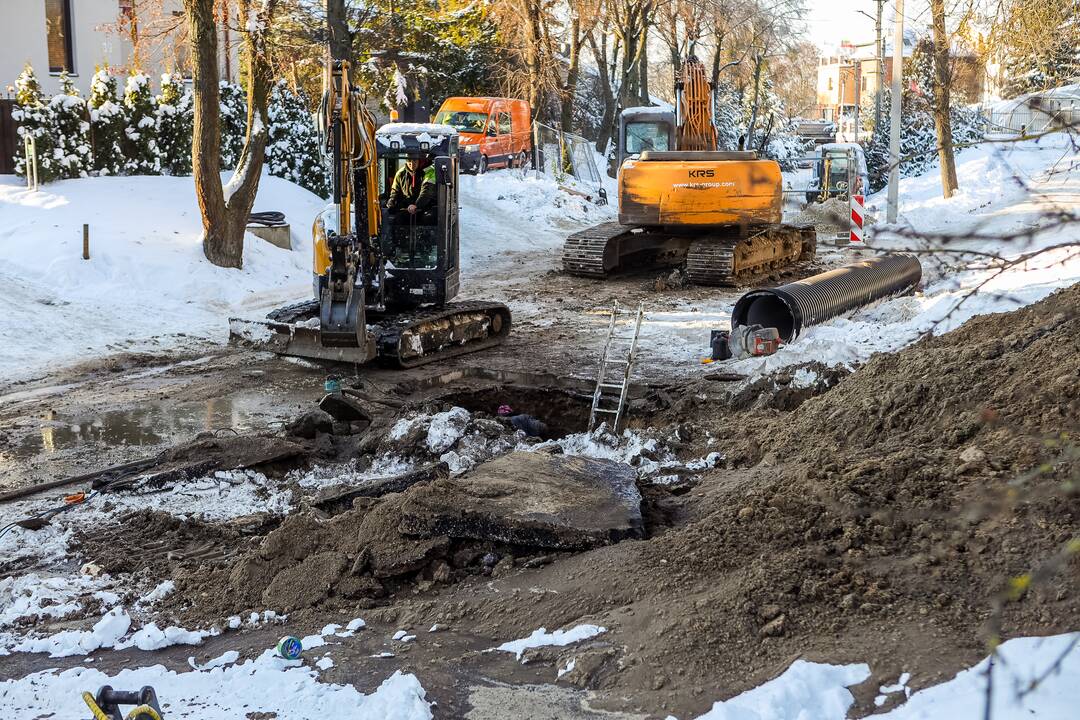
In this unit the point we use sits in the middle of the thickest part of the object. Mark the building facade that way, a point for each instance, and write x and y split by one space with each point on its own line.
849 79
80 36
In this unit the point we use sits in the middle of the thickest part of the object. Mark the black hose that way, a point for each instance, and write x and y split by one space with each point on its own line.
789 308
271 218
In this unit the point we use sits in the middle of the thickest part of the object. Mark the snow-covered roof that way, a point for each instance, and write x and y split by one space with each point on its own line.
646 110
1065 93
840 146
416 129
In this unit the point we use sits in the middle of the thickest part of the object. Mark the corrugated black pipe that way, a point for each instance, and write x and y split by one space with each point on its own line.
789 308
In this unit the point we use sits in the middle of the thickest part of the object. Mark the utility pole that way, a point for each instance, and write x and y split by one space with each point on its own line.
894 112
880 64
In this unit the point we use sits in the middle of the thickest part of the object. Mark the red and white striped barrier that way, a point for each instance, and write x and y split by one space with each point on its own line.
858 212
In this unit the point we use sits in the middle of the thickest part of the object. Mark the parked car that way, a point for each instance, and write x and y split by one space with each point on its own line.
495 132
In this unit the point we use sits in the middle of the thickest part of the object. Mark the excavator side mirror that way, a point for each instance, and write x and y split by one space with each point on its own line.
442 171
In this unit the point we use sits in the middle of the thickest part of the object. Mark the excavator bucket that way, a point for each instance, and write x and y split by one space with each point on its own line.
294 330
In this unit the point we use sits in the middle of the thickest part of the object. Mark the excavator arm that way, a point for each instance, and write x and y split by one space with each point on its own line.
345 257
694 129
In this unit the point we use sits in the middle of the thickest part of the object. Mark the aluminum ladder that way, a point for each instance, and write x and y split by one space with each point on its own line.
613 378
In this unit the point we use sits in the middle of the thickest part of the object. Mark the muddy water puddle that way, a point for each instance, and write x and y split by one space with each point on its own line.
60 436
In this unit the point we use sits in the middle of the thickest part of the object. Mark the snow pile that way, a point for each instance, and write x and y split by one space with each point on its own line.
509 212
455 437
266 685
146 280
819 691
446 429
804 690
463 441
560 638
106 633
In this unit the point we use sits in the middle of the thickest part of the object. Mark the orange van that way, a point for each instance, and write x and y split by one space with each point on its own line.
495 132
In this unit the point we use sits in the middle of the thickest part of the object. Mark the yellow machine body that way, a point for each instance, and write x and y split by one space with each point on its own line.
699 192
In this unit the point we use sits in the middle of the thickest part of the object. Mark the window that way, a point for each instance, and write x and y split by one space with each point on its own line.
58 33
863 84
462 121
505 128
642 136
830 83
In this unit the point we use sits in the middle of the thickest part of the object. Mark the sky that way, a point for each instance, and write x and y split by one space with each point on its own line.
830 21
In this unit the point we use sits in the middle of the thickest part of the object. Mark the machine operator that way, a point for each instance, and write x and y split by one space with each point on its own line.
413 195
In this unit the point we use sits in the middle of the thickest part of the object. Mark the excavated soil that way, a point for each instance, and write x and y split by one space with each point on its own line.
879 522
876 517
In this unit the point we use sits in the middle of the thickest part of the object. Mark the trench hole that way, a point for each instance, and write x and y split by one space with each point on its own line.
563 411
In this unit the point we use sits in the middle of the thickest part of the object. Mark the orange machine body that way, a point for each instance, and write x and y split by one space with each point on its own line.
700 192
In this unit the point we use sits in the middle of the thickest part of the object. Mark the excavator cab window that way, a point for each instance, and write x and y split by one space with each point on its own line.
642 136
409 240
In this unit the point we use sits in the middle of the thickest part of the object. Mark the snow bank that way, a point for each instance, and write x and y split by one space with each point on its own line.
805 690
146 281
509 212
224 691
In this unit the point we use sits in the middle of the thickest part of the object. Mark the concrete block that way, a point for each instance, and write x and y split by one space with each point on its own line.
278 235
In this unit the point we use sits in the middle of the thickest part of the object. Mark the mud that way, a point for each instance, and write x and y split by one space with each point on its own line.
873 517
877 522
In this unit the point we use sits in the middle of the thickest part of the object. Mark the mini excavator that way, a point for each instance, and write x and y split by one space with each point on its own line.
683 201
382 285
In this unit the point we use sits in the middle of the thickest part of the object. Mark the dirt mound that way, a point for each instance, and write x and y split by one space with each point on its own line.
880 523
1002 384
436 531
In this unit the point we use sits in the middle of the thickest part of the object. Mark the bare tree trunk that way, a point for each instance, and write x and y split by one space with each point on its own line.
643 67
940 108
719 38
533 57
599 51
754 105
569 90
337 21
225 218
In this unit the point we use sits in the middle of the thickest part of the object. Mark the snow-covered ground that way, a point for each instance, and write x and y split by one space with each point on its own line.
146 284
226 688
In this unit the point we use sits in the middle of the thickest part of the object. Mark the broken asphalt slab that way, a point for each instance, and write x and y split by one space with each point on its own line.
538 500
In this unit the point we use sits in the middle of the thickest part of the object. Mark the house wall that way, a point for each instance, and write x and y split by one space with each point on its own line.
23 39
97 42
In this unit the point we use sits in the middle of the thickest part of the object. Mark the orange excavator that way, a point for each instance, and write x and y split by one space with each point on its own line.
683 201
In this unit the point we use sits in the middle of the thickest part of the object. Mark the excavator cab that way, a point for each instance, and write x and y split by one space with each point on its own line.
421 250
643 129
